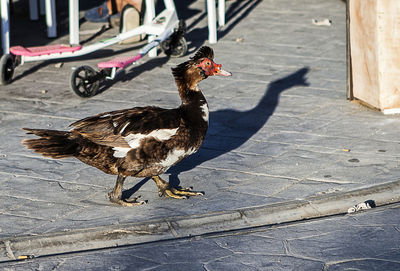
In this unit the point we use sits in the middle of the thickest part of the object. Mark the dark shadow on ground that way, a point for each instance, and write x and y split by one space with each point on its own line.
236 11
102 53
243 124
29 33
133 72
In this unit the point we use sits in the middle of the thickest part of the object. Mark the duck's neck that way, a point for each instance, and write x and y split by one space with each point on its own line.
191 95
194 107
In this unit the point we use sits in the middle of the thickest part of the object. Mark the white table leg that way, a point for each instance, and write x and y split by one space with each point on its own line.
33 10
73 22
42 8
212 22
150 14
51 18
221 12
5 27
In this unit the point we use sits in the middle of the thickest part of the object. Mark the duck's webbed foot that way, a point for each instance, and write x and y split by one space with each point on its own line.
164 189
115 196
126 202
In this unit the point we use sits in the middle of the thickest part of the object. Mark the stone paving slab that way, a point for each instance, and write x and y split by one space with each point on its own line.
280 127
361 241
180 227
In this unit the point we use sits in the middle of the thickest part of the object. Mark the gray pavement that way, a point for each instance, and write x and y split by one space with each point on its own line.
362 241
281 129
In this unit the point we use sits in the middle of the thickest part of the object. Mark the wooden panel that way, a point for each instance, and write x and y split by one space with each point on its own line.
374 44
364 57
389 53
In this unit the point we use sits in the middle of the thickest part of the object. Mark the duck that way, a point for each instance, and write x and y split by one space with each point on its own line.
142 142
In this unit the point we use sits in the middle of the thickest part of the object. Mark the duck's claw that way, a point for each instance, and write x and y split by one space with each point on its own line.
164 189
177 193
127 202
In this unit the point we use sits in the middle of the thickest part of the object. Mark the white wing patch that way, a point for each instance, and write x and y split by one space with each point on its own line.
176 155
206 112
123 128
133 140
120 152
160 134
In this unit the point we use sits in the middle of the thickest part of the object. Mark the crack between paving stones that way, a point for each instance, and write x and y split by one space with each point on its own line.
44 201
296 256
316 108
253 194
312 236
358 259
50 180
319 180
315 208
37 115
40 157
23 216
249 172
153 267
60 264
259 54
22 99
172 229
58 218
9 251
285 188
373 225
286 247
149 260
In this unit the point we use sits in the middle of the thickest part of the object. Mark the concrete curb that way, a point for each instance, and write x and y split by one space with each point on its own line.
185 226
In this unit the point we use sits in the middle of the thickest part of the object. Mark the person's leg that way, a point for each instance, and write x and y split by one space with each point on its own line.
131 17
100 13
135 3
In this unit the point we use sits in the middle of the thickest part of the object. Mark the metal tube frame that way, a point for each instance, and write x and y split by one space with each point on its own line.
167 19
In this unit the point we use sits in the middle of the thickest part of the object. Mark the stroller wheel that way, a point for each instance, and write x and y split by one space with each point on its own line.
174 48
84 81
6 69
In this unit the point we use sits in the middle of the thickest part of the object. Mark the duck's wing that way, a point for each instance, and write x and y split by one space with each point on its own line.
125 128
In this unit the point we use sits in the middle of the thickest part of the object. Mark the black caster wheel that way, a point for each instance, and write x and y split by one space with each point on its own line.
84 81
7 66
176 45
175 49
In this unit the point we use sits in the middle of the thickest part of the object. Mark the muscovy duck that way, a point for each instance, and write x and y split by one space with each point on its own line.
141 141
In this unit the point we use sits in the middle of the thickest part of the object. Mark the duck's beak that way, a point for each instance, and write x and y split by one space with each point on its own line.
221 72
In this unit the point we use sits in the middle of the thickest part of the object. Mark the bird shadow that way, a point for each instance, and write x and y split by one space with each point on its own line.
244 124
249 123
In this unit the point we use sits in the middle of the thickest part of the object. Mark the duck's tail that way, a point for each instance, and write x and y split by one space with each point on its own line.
52 143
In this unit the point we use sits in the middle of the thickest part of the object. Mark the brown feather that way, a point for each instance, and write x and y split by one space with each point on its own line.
101 140
203 52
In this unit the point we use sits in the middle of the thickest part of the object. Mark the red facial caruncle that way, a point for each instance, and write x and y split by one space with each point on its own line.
210 68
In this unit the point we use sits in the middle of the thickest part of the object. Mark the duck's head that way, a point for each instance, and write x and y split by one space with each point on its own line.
199 67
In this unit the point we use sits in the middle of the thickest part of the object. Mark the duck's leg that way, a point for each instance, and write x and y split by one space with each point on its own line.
116 195
164 189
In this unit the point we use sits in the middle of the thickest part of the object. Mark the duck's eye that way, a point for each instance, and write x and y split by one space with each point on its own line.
208 63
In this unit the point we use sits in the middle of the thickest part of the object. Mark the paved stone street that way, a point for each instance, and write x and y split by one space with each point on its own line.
363 241
280 130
